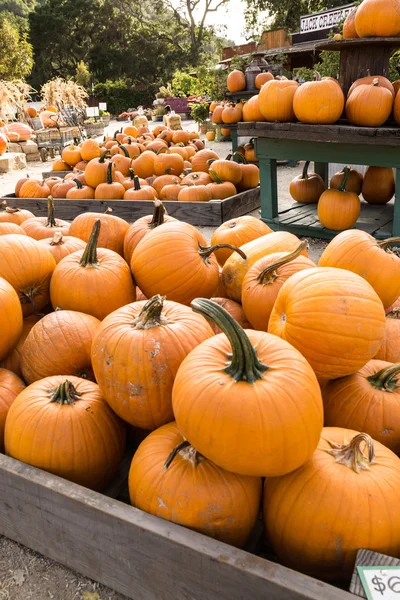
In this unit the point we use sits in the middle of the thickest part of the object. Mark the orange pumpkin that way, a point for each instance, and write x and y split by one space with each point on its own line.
237 232
12 361
10 316
71 414
6 228
265 278
221 189
251 109
226 170
338 209
378 185
138 329
40 228
168 478
217 115
378 18
14 215
198 178
3 144
71 155
96 171
90 149
236 81
263 78
72 334
307 188
93 281
234 309
80 191
349 338
229 372
131 131
349 26
21 182
140 193
112 233
143 165
111 189
390 348
171 192
232 113
51 181
60 190
195 193
23 131
369 105
32 112
349 481
60 165
276 100
10 386
354 181
167 163
60 246
33 188
320 101
383 82
162 181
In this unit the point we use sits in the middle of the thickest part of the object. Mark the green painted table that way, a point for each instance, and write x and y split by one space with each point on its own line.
323 144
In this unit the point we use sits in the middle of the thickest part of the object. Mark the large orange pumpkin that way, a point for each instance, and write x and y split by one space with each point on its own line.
21 129
237 232
71 333
28 267
111 189
390 348
41 228
307 188
168 163
10 386
383 82
369 105
378 18
333 317
350 480
12 361
143 165
32 188
226 170
112 233
168 478
147 331
265 278
276 100
93 281
10 318
235 380
232 113
6 228
349 26
96 171
320 101
90 149
236 81
372 259
200 160
71 155
52 420
339 209
378 185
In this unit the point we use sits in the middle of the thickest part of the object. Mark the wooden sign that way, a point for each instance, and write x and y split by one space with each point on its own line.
325 19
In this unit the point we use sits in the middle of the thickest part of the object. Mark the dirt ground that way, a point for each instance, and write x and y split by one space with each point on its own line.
25 574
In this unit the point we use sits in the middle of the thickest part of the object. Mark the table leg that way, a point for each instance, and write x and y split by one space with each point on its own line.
268 188
396 213
234 137
322 169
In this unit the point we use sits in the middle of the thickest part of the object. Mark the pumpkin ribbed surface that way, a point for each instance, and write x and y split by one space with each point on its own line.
10 386
12 361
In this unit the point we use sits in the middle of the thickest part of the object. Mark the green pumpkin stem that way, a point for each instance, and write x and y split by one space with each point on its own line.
242 159
205 252
187 451
384 244
386 380
103 157
304 174
151 314
158 214
269 274
244 364
65 393
343 183
89 257
51 222
351 456
214 176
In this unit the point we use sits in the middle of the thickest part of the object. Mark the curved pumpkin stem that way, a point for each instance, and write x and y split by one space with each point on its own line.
124 150
51 222
187 451
78 183
215 176
206 252
269 274
132 174
317 76
158 214
65 393
244 365
386 380
151 314
57 239
304 174
89 257
137 183
351 455
384 244
343 183
110 173
241 158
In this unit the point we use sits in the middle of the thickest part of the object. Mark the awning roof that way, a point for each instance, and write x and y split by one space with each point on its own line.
297 49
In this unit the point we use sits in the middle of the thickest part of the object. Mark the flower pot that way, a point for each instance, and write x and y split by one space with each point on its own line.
203 129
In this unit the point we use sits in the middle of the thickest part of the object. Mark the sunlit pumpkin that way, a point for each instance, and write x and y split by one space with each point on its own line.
378 18
200 160
10 386
369 105
354 181
263 78
349 25
338 209
251 109
60 246
40 228
10 317
112 232
320 101
237 232
90 149
276 100
236 81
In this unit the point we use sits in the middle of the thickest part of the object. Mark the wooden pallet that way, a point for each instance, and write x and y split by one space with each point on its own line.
302 219
206 214
136 554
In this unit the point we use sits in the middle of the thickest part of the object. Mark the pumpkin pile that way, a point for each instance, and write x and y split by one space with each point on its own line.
231 356
165 164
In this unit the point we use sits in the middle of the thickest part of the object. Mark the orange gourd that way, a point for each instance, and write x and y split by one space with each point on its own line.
96 171
112 233
338 209
93 281
40 228
10 386
6 228
111 190
60 165
237 232
142 227
80 191
383 82
143 165
369 105
60 190
168 478
320 101
232 113
70 414
170 192
60 246
200 160
276 100
372 259
216 117
230 373
226 170
333 317
236 81
378 185
198 178
146 331
354 181
265 278
90 149
32 188
350 480
195 193
251 110
131 131
349 26
71 155
378 18
162 181
140 193
167 163
10 317
59 344
263 78
307 188
221 189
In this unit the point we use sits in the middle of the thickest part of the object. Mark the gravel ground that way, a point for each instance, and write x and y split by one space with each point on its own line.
28 575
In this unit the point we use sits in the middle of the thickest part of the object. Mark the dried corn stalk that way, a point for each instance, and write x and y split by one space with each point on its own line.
13 97
59 92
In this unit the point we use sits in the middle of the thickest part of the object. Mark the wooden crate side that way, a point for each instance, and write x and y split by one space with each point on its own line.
136 554
241 204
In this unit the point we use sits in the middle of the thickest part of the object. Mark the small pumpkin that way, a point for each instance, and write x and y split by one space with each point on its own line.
168 478
163 180
143 165
90 149
369 79
33 188
40 228
195 193
320 101
210 136
71 155
167 163
216 117
60 190
140 193
236 81
354 181
60 165
14 215
96 171
251 109
378 185
232 113
226 170
237 232
122 162
3 144
307 188
263 78
338 209
112 233
230 372
71 414
60 246
349 25
111 190
10 387
80 191
171 192
369 105
220 189
200 160
198 178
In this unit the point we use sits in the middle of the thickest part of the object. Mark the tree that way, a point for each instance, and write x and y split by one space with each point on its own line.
82 74
20 8
16 52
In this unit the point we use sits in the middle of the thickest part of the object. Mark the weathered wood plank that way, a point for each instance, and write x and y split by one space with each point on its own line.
249 201
137 554
365 558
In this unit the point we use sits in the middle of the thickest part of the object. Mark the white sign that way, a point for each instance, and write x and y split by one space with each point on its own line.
324 20
92 111
380 582
102 105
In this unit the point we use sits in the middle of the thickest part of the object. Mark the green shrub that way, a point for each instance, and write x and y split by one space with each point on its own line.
122 94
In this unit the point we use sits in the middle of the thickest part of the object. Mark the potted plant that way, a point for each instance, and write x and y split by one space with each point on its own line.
105 117
158 113
93 127
199 113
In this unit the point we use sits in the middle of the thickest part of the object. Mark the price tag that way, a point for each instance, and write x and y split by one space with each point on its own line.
102 105
380 582
90 111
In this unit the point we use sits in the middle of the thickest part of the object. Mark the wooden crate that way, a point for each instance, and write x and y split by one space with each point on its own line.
136 554
206 214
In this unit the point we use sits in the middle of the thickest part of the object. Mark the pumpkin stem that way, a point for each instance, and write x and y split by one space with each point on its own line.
269 274
304 174
65 393
386 380
51 222
89 257
214 176
343 183
158 214
137 183
351 455
78 183
132 174
103 157
186 450
124 150
394 314
317 76
150 316
244 364
241 158
384 244
375 82
57 239
205 252
110 173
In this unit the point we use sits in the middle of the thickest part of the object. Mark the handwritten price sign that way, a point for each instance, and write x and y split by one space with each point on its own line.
380 582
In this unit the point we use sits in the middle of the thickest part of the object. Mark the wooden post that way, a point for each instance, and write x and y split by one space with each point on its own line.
322 169
396 214
268 181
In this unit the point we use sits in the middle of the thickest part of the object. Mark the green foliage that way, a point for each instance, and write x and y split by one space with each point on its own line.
303 74
394 66
15 51
208 82
121 95
199 112
82 74
182 84
21 8
329 64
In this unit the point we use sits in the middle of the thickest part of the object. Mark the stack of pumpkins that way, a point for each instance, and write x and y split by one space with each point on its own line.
247 403
159 165
339 206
